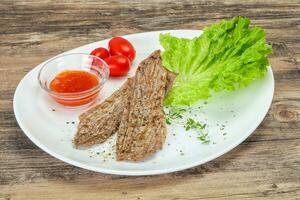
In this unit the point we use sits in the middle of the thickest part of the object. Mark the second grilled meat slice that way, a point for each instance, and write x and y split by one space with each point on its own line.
142 130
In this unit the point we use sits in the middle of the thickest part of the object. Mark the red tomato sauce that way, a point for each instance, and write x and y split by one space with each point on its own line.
72 81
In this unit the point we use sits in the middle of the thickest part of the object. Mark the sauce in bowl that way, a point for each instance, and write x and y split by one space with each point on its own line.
70 81
73 81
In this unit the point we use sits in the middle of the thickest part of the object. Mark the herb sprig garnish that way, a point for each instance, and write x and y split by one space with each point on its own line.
204 138
191 123
174 114
179 117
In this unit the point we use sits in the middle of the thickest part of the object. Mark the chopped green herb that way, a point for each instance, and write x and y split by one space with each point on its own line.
178 116
191 123
168 121
204 138
175 115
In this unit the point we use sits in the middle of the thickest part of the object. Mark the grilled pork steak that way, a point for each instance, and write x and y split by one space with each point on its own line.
142 130
101 121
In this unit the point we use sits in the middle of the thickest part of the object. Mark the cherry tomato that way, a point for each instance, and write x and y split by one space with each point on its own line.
118 65
100 52
121 46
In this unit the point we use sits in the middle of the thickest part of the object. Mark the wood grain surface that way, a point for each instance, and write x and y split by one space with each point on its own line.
265 166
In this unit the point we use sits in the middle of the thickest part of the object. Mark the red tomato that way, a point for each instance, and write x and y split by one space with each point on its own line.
100 52
118 65
121 46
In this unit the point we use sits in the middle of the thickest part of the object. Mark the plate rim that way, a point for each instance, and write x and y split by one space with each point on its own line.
131 172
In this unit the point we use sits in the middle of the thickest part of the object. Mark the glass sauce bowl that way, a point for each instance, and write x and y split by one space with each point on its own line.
74 61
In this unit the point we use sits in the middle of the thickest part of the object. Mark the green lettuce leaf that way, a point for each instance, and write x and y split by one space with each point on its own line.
227 56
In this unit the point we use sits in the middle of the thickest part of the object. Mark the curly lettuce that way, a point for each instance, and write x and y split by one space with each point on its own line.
227 56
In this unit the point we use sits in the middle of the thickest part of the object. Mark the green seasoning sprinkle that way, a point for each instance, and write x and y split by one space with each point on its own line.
168 120
178 116
174 114
204 138
191 123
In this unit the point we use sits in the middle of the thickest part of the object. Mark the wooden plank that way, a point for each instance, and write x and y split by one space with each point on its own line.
247 172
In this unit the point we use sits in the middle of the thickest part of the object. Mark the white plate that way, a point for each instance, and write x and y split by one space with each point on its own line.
240 111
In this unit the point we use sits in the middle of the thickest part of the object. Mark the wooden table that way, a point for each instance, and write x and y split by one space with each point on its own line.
265 166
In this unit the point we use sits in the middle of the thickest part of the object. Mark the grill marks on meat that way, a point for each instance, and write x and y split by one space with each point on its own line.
134 111
142 130
100 122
